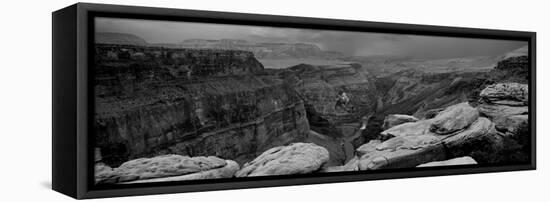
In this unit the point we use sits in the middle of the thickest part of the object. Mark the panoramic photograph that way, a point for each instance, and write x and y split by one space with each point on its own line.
181 101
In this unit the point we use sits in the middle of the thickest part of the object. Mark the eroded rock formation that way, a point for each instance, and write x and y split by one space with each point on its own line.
417 143
166 168
297 158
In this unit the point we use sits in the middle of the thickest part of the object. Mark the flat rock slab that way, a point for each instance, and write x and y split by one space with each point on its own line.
409 129
297 158
166 166
228 171
466 160
397 119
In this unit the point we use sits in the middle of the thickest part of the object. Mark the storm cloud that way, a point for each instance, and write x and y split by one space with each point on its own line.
349 43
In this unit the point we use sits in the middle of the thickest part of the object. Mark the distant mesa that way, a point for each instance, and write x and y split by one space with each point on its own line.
263 50
119 38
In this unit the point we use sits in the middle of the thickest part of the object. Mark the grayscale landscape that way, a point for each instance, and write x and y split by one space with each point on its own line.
181 101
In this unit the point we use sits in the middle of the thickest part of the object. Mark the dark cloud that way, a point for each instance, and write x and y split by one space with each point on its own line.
350 43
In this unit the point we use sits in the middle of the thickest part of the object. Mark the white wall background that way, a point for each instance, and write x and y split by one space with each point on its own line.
25 102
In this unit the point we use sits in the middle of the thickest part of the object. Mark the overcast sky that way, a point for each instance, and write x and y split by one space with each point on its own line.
350 43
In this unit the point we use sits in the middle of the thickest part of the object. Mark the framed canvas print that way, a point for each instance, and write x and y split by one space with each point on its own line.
153 100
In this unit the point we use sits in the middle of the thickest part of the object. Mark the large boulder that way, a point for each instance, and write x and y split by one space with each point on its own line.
297 158
397 119
166 166
514 94
466 160
454 118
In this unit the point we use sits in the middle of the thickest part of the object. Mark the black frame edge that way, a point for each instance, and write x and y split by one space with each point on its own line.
64 101
533 97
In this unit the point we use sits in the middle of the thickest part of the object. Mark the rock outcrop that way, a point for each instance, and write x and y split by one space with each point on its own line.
506 104
397 119
415 143
297 158
511 94
166 168
454 118
190 102
466 160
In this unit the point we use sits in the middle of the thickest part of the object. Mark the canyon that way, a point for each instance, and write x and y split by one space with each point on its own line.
218 106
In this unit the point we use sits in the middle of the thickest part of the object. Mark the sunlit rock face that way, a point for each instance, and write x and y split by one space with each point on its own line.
296 158
152 101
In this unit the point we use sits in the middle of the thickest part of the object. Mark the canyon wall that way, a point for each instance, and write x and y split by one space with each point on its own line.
152 101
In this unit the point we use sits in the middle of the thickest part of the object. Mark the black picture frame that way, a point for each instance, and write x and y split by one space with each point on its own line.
72 98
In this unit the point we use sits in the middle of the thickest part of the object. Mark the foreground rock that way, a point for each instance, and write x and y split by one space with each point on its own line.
104 174
226 171
454 118
457 131
167 168
507 105
297 158
495 111
479 140
397 119
466 160
351 165
408 129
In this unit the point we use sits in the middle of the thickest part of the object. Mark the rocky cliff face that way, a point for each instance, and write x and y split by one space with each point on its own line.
152 101
320 86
